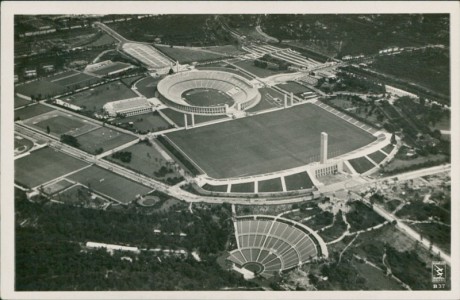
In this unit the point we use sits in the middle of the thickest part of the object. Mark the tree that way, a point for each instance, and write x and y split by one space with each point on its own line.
171 71
393 139
48 130
70 140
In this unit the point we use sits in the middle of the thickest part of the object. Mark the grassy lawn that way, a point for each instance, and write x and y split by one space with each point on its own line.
267 142
267 100
361 164
22 144
178 117
440 235
147 86
147 160
270 185
215 188
44 165
298 181
95 98
294 87
130 80
79 195
110 184
207 97
399 163
377 156
18 101
63 124
388 148
335 231
144 123
40 88
188 55
31 111
111 68
57 186
248 65
375 279
77 80
247 187
104 138
105 39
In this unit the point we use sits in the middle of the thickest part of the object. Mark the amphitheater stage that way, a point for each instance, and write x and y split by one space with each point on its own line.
268 142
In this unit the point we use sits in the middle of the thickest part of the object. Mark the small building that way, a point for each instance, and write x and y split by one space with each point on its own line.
128 107
399 92
30 73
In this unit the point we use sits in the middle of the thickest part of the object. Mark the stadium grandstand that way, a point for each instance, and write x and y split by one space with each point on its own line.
128 107
244 94
268 245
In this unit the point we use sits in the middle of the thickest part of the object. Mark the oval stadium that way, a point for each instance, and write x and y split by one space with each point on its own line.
208 92
268 245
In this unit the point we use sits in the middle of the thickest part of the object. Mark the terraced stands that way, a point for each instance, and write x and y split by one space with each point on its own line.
171 88
275 244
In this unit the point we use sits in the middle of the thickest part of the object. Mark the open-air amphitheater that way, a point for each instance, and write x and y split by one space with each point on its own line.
244 94
268 244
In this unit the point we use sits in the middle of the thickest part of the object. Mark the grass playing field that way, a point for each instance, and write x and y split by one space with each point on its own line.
95 98
298 181
18 102
143 123
247 187
188 55
31 111
270 98
206 97
377 156
110 184
267 142
22 144
60 123
44 165
104 138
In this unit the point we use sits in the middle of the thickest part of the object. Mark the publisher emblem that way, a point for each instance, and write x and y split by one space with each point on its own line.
438 271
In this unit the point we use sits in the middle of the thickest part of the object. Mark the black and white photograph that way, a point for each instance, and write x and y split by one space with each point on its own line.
229 150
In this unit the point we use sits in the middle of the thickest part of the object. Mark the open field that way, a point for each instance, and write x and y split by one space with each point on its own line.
79 195
109 184
57 186
144 123
388 148
18 102
59 123
178 117
104 138
294 87
267 142
377 156
207 97
147 86
215 188
31 111
188 55
298 181
95 98
247 187
55 85
44 165
361 164
270 98
270 185
249 66
103 40
147 160
22 144
130 80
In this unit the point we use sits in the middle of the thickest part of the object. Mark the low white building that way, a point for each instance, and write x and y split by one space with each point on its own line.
111 247
129 107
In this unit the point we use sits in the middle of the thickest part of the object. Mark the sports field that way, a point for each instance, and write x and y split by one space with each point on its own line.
267 142
298 181
104 138
270 185
144 123
59 123
31 111
110 184
249 66
95 98
44 165
18 102
21 144
207 97
188 55
112 67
